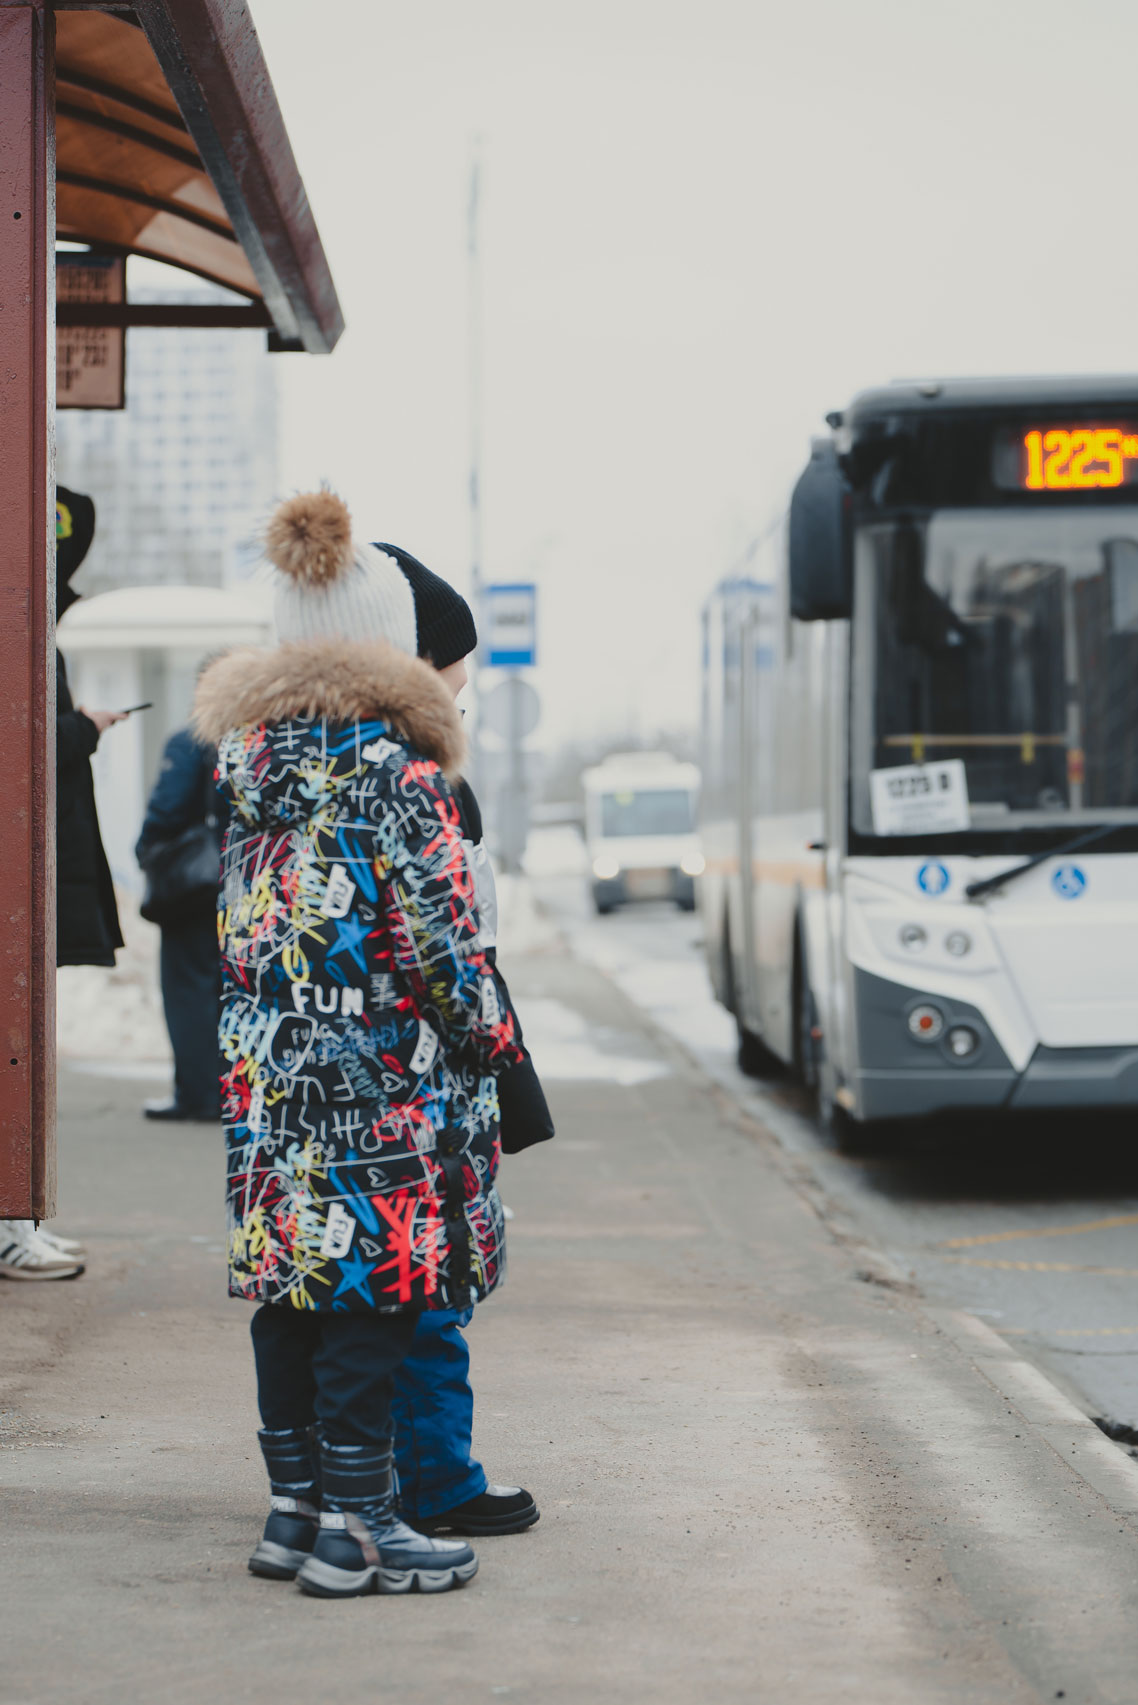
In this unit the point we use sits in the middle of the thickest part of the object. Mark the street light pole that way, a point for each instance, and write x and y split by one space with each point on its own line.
474 403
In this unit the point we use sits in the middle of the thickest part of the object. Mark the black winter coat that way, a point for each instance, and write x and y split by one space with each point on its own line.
182 795
523 1109
88 921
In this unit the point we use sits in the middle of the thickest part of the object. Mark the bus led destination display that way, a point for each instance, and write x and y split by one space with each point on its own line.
1066 458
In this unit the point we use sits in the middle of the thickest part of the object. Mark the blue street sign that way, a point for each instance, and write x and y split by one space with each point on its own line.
509 615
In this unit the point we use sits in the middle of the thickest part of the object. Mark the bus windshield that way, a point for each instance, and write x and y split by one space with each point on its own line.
647 811
1007 640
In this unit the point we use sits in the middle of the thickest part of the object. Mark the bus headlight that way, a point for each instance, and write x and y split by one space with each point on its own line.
693 864
606 868
958 942
913 937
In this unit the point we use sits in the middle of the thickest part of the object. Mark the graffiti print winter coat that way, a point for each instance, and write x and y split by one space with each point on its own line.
362 1027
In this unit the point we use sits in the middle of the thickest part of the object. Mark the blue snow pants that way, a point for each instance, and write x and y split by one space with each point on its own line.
433 1411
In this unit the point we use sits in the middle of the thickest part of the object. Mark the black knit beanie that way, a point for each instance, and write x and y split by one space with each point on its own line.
442 615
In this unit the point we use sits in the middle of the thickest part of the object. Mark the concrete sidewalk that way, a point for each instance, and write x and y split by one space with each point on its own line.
764 1474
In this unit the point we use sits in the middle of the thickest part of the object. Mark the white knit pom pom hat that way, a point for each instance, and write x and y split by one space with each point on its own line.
328 586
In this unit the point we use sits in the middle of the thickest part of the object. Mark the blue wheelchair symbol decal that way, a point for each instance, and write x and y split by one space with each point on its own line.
1069 881
933 878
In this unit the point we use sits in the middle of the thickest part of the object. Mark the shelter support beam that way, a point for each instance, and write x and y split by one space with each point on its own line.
212 61
27 610
253 316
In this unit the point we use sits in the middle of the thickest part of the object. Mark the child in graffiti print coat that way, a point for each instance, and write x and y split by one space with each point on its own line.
362 1031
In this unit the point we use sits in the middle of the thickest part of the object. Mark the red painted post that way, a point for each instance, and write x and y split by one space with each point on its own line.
27 609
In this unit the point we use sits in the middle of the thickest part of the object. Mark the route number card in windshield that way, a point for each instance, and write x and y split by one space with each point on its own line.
920 799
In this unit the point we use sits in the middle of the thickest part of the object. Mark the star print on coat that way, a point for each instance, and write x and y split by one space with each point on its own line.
355 1275
350 936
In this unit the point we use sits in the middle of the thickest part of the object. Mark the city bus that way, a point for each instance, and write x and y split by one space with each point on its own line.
920 759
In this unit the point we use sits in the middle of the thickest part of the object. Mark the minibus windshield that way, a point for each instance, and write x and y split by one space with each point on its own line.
1006 640
647 811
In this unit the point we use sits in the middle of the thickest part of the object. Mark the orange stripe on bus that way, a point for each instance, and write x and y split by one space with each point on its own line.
788 873
783 871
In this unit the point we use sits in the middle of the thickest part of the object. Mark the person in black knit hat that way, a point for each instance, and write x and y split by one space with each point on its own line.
442 1487
443 618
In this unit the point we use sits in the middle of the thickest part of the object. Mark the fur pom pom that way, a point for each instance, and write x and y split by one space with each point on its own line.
309 537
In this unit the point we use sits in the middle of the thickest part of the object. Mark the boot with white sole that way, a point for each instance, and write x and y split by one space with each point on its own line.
362 1546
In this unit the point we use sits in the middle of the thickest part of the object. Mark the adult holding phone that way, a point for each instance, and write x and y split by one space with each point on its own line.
87 919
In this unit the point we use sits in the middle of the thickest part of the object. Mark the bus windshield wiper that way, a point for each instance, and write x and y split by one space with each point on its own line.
989 884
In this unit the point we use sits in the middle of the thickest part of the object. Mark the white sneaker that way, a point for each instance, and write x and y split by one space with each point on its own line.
65 1245
24 1254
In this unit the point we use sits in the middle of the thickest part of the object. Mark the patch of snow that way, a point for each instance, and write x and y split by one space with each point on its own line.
673 992
565 1046
652 952
105 1015
126 1071
522 928
555 851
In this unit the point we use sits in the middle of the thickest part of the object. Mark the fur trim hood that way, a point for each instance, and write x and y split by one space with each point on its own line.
340 681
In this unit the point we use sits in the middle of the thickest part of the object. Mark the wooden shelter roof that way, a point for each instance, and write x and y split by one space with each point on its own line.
170 143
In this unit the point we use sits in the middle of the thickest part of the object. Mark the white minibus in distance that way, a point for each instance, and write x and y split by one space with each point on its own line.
920 758
640 830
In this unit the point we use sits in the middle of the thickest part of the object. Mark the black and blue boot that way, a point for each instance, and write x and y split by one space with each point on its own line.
290 1532
362 1546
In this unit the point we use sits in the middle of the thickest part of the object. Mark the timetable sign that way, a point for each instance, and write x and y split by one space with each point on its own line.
90 361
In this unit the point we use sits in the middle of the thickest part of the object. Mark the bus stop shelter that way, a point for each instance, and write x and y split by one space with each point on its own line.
153 129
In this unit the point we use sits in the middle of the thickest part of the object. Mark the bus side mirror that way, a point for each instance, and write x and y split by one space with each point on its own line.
821 555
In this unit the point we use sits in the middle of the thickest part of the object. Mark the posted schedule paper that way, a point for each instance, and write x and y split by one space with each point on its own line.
920 799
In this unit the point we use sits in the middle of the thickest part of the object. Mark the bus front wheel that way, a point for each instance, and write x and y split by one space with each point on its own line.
817 1076
860 1138
856 1138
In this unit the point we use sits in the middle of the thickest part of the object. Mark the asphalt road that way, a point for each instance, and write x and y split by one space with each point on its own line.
1032 1227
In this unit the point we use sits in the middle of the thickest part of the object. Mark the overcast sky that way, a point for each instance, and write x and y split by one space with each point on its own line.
703 225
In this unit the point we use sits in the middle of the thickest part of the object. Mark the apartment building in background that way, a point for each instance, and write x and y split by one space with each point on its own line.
185 476
183 479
